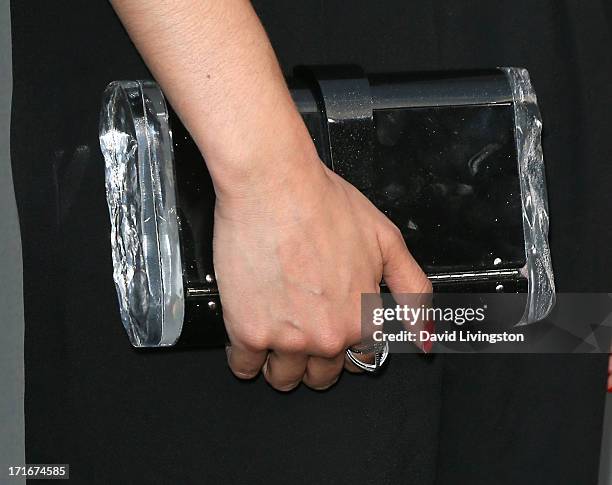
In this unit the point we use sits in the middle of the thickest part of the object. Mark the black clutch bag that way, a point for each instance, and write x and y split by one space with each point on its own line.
453 159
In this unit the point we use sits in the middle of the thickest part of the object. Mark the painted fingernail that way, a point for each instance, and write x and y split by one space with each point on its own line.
430 328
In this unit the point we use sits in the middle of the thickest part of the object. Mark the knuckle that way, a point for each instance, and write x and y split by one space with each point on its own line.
254 340
356 335
295 344
395 234
331 344
345 331
391 238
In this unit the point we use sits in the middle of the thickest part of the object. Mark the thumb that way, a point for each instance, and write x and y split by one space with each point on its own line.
408 283
401 272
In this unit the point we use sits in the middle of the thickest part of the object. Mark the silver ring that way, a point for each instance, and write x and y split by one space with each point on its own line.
381 352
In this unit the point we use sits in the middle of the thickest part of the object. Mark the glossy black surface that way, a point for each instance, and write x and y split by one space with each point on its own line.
428 149
195 203
448 178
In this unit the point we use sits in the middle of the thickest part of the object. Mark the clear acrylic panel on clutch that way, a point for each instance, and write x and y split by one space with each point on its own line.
136 143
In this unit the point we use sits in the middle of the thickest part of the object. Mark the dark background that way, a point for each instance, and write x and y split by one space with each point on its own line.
120 416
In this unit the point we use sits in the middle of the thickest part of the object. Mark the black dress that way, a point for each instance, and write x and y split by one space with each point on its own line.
120 416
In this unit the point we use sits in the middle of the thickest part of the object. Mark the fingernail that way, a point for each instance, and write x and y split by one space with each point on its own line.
289 387
324 388
430 328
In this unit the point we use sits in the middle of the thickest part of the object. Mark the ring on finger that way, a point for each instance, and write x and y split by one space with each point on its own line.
380 351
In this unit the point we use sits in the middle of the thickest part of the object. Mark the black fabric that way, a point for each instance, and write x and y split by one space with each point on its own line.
122 416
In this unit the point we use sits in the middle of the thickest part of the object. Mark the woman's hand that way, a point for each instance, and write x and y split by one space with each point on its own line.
294 244
292 263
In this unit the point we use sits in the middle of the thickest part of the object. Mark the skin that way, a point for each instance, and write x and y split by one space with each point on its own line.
294 244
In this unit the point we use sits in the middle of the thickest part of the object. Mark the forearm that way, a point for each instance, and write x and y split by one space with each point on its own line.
218 70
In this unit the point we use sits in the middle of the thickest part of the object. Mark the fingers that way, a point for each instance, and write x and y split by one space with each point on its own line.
322 372
245 364
400 271
408 283
284 371
610 374
366 330
352 368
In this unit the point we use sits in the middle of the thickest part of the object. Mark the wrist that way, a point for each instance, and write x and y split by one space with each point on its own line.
273 161
284 191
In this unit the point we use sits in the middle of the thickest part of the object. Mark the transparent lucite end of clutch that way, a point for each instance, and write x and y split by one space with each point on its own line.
136 143
528 132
